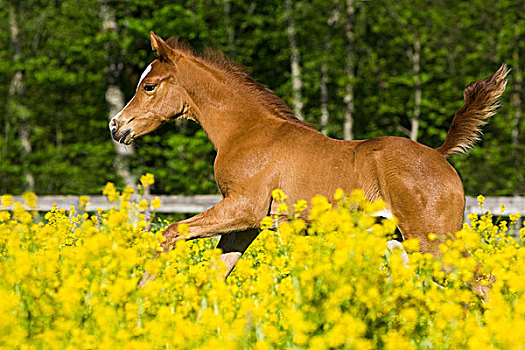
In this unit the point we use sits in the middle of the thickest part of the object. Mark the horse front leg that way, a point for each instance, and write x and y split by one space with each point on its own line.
233 246
238 217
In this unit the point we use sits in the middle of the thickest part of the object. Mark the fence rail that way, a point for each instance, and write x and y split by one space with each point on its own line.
199 203
170 204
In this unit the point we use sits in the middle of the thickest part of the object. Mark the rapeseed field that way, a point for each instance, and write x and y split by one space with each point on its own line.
69 281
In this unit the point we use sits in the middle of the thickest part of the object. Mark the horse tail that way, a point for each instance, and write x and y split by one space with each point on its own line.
481 101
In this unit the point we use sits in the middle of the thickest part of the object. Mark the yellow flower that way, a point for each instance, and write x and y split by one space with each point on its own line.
285 231
278 195
409 317
300 206
395 340
481 200
183 229
514 217
267 223
4 216
320 205
155 203
300 338
77 277
282 208
147 180
298 225
126 194
128 191
411 245
30 199
143 205
358 197
111 192
83 202
339 194
6 200
261 345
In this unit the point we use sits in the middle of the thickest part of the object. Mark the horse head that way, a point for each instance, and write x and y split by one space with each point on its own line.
159 97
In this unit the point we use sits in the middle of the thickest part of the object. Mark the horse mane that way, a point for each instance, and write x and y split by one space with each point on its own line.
220 61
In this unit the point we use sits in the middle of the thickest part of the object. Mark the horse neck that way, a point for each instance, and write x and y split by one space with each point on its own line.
223 107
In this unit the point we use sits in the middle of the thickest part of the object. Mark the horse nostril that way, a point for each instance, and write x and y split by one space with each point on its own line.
113 126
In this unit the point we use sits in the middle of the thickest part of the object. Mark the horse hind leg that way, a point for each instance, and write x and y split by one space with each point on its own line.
447 229
233 245
387 214
420 229
441 214
395 241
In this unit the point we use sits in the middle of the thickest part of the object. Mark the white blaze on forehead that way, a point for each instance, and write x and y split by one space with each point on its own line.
142 77
122 110
144 74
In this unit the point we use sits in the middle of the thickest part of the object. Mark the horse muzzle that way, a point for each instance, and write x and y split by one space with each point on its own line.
113 126
125 137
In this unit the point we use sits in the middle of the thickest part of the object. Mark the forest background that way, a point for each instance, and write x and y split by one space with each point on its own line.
355 69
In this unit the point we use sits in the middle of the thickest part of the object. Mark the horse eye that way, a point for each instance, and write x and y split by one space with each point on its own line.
149 87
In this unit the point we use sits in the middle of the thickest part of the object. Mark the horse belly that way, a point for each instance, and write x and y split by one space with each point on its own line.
318 173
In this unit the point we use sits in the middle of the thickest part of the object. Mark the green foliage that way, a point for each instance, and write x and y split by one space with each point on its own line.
181 157
66 55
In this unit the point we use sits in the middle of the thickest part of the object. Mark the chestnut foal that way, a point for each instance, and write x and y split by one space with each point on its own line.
262 146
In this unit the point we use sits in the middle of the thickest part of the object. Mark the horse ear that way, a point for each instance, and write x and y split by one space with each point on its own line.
164 52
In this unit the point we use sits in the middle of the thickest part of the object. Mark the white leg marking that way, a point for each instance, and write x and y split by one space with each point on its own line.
392 245
384 213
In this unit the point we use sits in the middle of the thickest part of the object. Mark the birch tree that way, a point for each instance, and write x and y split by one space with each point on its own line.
348 124
16 108
415 57
330 24
114 95
229 28
517 90
410 28
324 93
297 83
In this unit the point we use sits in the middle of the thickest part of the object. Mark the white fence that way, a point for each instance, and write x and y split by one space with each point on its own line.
170 204
199 203
512 205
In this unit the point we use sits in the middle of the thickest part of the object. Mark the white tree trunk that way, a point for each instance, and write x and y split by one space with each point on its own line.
324 97
297 83
348 125
331 22
16 91
415 56
116 101
230 31
515 98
